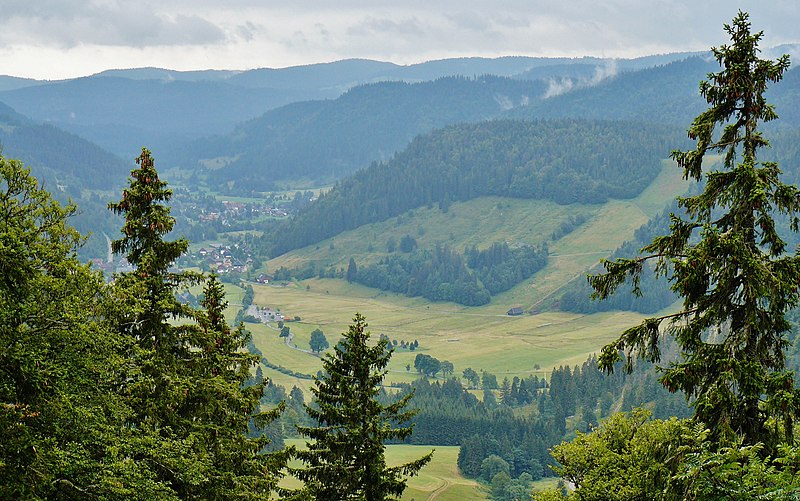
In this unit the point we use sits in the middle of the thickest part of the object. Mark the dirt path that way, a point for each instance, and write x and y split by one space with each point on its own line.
440 489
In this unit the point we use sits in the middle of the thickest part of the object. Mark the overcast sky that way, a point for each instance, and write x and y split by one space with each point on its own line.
67 38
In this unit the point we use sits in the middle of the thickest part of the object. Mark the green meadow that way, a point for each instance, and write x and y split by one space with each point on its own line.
439 479
483 338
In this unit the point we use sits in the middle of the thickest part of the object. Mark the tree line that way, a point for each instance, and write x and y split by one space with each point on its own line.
567 161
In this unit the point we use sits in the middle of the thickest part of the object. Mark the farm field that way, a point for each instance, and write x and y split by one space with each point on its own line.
468 337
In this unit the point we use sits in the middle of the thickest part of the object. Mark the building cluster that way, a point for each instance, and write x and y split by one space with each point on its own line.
236 210
220 258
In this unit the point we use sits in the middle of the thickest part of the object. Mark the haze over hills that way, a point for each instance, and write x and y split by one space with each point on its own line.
123 109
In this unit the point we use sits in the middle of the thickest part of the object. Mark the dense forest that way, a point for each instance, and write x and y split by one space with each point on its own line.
331 139
442 274
565 161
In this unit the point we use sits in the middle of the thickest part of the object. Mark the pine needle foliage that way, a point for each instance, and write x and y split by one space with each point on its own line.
192 408
725 258
345 458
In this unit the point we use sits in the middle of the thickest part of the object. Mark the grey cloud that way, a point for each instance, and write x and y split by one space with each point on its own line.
370 26
62 24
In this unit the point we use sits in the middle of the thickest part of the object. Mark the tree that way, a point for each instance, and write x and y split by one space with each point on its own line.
318 341
190 406
447 368
352 270
426 364
345 457
61 421
631 457
726 260
285 331
472 377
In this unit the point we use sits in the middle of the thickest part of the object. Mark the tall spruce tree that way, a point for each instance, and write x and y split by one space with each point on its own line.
191 407
345 459
726 260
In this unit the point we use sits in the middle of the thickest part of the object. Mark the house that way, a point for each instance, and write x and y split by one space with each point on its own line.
263 278
515 311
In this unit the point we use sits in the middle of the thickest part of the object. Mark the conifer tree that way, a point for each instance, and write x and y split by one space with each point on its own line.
191 406
727 261
345 459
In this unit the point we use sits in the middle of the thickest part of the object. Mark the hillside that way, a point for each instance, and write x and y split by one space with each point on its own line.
562 161
331 139
59 157
123 109
661 94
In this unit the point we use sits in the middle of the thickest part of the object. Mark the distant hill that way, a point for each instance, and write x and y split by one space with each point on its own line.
565 161
123 109
330 139
664 94
58 157
326 140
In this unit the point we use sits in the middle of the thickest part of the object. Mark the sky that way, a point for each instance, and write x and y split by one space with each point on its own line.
55 39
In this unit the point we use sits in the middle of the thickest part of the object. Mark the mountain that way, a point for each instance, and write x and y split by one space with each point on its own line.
565 161
326 140
123 109
664 94
57 157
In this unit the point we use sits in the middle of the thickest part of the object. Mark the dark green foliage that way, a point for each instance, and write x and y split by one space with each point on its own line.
61 422
318 341
442 274
727 261
439 275
345 459
500 267
408 244
191 408
427 365
352 270
564 161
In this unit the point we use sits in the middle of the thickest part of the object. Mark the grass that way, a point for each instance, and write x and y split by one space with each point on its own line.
483 338
439 479
467 337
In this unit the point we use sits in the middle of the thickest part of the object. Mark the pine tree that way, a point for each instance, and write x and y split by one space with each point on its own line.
345 459
727 261
191 406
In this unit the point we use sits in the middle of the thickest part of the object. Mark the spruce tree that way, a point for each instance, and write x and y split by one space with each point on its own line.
345 457
725 258
191 406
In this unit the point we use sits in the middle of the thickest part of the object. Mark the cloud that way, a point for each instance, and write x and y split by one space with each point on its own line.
256 33
556 87
68 24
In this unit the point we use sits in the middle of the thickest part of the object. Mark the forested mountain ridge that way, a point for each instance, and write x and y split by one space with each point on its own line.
107 108
564 161
663 94
330 139
57 156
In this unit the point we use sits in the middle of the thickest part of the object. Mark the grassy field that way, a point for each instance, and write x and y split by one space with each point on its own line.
483 338
468 337
439 479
